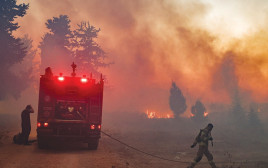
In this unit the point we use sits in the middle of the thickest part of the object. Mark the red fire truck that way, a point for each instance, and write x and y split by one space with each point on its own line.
69 109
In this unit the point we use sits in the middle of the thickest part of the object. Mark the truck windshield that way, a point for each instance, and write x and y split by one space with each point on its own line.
71 110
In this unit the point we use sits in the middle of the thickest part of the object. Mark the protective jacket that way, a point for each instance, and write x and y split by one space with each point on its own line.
25 122
203 137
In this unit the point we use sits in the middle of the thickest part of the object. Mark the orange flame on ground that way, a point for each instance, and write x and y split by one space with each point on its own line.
153 114
192 115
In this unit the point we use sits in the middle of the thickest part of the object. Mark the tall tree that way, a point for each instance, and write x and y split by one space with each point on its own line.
12 49
55 45
27 69
177 101
253 118
238 113
88 53
198 110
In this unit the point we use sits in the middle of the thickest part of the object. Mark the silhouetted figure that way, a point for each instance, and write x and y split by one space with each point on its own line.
202 139
48 72
26 123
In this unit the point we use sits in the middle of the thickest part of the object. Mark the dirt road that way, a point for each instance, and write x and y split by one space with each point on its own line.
112 154
59 155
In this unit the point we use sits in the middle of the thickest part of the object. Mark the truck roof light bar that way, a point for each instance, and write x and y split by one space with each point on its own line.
84 79
61 78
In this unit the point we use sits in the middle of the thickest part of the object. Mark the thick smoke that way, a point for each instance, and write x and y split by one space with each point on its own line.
155 42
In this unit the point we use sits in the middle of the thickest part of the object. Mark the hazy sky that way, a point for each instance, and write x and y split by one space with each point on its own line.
210 48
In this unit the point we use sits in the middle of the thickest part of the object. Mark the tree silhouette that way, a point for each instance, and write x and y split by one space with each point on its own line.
253 118
198 110
12 49
27 69
88 54
55 45
177 101
238 114
61 46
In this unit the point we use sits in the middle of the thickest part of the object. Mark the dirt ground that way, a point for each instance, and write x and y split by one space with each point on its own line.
152 137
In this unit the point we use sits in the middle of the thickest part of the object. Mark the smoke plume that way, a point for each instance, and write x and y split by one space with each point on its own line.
155 42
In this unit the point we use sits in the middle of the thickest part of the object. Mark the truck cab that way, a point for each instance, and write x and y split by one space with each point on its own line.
69 109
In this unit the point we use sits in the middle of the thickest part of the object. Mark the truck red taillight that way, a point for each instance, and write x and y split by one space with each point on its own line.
38 124
92 127
45 124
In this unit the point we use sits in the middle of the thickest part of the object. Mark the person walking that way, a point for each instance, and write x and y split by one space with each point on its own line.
202 139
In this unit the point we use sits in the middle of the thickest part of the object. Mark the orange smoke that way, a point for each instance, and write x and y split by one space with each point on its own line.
155 42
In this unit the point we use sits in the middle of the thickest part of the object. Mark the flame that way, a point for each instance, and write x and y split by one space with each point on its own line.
153 114
191 115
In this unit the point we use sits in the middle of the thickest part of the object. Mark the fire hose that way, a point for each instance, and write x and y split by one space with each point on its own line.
149 154
166 159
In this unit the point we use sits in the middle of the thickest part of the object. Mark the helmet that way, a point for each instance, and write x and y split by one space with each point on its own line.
210 125
28 107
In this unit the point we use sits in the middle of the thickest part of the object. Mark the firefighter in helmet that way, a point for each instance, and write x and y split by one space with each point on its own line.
202 139
26 123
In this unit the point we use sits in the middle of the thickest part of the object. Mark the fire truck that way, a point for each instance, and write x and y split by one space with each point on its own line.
69 109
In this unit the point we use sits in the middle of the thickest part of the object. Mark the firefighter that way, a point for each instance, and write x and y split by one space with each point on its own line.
48 72
26 123
202 139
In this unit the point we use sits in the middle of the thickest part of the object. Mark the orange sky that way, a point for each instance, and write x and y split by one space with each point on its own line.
210 49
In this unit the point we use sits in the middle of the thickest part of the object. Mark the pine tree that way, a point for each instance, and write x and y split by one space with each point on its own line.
55 45
88 53
28 68
177 101
238 117
253 119
12 49
198 110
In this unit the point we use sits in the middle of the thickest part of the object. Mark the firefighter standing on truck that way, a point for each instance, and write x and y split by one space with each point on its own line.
202 139
26 123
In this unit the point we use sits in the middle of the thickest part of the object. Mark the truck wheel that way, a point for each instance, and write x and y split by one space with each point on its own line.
93 144
41 143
